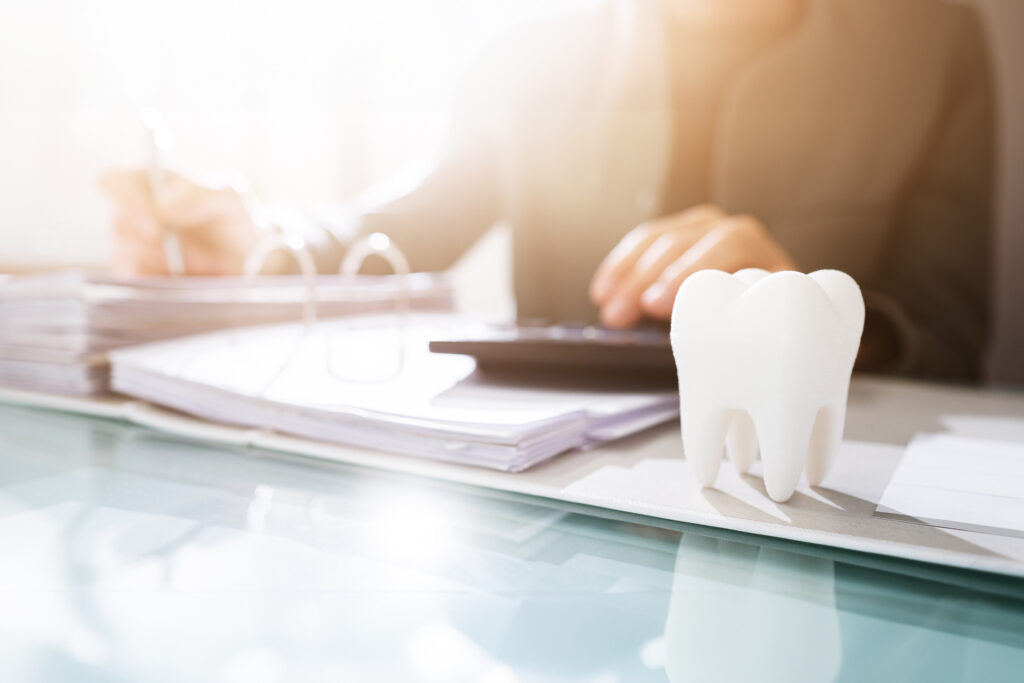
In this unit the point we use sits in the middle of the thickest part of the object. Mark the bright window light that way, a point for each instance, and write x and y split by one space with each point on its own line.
312 99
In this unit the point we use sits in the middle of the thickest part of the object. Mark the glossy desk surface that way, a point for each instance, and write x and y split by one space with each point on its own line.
127 555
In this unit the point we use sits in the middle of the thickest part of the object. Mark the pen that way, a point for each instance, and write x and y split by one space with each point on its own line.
159 142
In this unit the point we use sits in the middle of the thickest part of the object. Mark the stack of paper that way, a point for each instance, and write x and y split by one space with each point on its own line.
959 482
56 329
364 381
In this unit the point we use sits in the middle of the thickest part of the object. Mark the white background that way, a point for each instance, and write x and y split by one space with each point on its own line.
311 99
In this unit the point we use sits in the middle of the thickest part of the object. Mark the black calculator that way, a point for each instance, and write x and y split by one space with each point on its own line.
638 352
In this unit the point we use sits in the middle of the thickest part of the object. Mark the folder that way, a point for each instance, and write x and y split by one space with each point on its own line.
56 329
369 381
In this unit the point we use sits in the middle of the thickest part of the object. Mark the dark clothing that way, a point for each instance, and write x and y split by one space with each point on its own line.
862 139
703 63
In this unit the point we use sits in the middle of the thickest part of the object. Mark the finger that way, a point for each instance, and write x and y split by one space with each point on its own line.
135 227
628 251
179 203
128 189
150 259
624 308
139 259
212 263
199 207
731 245
122 261
180 207
622 258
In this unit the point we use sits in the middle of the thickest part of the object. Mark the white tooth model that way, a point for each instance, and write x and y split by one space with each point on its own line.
764 359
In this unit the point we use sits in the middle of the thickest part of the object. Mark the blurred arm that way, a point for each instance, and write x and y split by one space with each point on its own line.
436 214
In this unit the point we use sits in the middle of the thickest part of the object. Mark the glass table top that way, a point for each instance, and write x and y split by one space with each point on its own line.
127 555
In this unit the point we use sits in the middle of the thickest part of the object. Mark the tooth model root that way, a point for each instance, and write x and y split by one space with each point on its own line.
704 434
764 366
741 443
784 435
825 440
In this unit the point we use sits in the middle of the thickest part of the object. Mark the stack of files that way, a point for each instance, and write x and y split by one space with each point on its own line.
369 381
56 329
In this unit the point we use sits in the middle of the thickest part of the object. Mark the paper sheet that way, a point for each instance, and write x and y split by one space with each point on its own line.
959 482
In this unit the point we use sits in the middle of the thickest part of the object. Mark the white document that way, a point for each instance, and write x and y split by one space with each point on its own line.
959 483
354 382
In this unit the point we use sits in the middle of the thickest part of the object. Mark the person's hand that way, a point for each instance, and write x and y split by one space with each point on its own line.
213 225
644 271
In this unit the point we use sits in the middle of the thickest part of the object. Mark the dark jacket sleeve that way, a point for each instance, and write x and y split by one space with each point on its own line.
933 290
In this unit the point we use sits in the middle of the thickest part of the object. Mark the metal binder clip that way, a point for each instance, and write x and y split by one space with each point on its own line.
313 334
278 240
381 245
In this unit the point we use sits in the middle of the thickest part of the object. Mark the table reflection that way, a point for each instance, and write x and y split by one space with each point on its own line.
129 555
740 611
